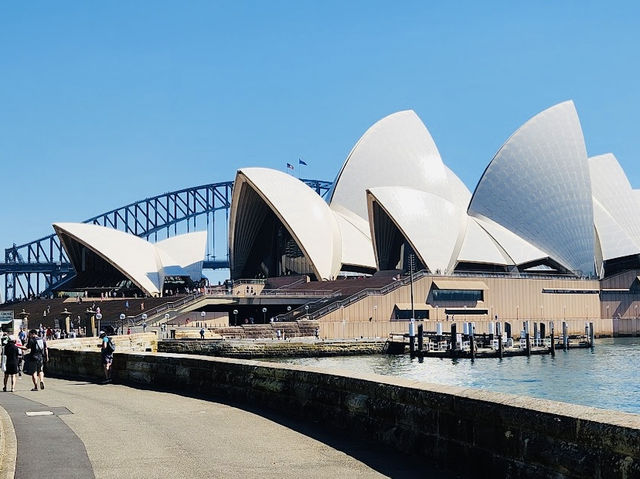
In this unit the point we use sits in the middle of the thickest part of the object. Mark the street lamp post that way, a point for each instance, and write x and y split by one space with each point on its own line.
306 310
264 315
122 318
235 317
411 258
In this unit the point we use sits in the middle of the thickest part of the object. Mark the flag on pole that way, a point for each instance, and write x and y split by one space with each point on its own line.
300 162
290 166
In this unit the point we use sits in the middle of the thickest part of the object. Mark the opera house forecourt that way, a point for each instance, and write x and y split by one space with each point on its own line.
548 232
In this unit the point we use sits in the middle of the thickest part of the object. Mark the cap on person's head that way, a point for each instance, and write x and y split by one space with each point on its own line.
102 334
12 338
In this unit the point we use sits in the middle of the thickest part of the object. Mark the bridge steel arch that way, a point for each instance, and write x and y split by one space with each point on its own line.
34 268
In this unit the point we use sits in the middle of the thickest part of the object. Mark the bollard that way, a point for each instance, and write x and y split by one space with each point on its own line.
592 335
586 331
565 336
420 337
412 337
553 340
453 336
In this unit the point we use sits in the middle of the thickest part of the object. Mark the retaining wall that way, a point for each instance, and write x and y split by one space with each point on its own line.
470 431
272 349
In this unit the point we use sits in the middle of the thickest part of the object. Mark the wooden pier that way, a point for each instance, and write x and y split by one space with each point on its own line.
496 344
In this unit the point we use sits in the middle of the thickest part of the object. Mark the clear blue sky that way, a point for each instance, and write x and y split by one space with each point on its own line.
105 103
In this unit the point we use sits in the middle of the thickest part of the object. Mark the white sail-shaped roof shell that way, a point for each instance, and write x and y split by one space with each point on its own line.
183 254
616 209
480 247
305 215
357 249
396 151
516 249
141 261
433 226
615 242
538 187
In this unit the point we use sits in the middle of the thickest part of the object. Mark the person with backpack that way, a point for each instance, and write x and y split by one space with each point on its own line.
38 355
107 348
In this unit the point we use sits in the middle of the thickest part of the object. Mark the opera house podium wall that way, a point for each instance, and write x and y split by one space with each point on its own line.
479 299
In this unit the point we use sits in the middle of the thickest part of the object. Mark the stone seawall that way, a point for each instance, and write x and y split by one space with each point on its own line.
124 343
272 349
465 430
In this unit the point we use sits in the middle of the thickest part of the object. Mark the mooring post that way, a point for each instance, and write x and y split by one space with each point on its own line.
454 337
472 341
553 339
527 337
499 336
535 333
592 335
565 336
412 337
420 337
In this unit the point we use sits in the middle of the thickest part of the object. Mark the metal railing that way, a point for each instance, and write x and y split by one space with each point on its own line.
169 306
367 292
313 313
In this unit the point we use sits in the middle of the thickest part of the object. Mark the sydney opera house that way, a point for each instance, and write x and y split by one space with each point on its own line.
536 209
548 231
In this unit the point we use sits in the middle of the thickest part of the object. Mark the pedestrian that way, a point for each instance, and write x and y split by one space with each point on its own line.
12 353
202 333
38 355
107 349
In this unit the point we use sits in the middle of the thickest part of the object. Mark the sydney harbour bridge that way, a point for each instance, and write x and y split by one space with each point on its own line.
34 268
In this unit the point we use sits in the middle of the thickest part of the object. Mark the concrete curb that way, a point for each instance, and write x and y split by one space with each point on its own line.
8 446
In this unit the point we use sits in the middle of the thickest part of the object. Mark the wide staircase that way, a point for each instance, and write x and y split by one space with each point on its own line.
343 290
46 311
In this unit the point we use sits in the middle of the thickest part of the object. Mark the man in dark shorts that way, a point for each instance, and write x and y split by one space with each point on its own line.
107 355
38 355
11 352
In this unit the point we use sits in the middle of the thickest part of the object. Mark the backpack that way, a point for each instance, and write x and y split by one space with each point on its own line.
111 347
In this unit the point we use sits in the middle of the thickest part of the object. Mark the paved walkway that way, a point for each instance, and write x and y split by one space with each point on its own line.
114 431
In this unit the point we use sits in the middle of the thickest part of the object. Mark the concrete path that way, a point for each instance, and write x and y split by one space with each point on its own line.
115 431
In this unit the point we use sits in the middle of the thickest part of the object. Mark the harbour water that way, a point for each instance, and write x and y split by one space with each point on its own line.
607 376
